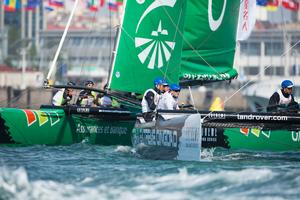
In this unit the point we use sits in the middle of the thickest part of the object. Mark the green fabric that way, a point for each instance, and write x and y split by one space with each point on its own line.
149 46
208 53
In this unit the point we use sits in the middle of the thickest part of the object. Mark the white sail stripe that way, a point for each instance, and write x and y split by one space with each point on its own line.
144 54
153 57
170 44
141 41
166 52
160 59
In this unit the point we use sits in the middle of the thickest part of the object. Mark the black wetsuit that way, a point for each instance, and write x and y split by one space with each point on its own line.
148 116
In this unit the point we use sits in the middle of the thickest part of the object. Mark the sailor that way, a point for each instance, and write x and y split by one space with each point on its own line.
283 99
86 97
164 95
104 100
151 98
63 96
169 100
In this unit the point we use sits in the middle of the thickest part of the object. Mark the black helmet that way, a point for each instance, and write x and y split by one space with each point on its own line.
89 82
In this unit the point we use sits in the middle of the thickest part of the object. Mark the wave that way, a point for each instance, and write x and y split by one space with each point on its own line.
224 184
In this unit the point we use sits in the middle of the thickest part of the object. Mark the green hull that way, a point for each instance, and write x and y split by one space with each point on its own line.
260 140
54 127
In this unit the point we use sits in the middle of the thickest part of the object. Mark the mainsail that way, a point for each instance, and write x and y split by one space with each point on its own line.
149 44
209 41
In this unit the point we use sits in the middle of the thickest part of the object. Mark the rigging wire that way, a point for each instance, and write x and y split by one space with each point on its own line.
192 97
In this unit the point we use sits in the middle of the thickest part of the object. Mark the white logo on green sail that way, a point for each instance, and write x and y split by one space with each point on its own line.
159 51
215 24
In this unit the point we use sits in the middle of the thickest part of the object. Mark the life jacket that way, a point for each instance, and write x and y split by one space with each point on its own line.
89 100
58 98
167 102
145 106
283 101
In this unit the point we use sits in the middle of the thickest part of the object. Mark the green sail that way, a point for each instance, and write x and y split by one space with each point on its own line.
149 44
209 40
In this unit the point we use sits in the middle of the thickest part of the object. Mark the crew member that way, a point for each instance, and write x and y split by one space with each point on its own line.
163 96
86 97
151 98
169 100
283 99
63 96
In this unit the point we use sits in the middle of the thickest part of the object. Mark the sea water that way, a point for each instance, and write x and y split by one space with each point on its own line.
84 171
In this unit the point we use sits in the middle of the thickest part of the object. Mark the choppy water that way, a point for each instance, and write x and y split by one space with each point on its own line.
84 171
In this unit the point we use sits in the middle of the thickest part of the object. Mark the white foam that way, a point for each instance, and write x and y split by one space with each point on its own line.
123 149
175 186
185 180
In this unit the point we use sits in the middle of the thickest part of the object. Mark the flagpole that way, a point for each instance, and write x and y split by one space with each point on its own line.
29 24
22 22
37 28
2 13
44 23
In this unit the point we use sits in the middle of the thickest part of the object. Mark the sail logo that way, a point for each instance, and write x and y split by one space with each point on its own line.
215 24
153 50
32 116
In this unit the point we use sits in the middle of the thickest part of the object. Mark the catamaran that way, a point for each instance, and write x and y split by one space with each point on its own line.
187 41
207 32
64 125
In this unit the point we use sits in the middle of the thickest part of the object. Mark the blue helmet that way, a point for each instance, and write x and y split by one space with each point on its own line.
175 87
287 84
158 81
165 82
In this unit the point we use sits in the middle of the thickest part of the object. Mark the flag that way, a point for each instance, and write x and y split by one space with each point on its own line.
272 5
48 7
262 2
11 5
291 5
32 4
119 2
247 18
102 2
112 5
56 3
93 6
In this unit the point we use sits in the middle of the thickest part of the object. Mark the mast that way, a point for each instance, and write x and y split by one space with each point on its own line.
23 47
113 58
53 64
2 53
